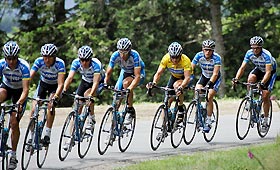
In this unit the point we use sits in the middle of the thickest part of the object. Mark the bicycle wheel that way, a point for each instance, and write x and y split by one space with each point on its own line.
178 129
42 150
191 123
86 135
214 119
126 134
260 123
105 135
158 129
3 151
243 119
28 144
67 137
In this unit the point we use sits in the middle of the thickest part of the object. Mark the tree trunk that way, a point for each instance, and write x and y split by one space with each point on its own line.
216 24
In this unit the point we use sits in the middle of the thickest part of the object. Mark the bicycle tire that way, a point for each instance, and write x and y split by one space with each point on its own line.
4 158
178 129
259 124
43 150
191 123
105 135
126 134
243 119
28 144
208 137
86 136
158 129
67 136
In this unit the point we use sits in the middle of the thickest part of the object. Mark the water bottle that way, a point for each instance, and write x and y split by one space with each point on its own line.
5 134
40 127
203 109
120 116
172 114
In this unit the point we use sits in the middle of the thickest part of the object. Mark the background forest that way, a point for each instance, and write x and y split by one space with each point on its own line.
150 24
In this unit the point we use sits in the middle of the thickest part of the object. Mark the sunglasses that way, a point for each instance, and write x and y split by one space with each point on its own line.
256 48
123 52
84 60
175 57
11 58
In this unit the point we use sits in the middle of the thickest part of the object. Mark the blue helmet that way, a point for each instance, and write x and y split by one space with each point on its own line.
85 52
175 49
48 50
11 48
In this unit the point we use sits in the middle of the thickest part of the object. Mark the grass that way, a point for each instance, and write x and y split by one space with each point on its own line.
264 157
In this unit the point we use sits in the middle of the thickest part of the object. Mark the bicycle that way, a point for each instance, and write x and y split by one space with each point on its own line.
250 112
112 124
166 121
6 111
196 116
74 129
33 137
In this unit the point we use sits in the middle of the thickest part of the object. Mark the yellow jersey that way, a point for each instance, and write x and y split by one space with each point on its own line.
178 69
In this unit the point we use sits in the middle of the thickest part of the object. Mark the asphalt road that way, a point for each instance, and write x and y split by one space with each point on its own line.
140 149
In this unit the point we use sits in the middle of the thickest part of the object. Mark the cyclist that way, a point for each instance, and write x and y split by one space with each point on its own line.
52 73
15 86
92 77
210 78
179 66
264 71
132 72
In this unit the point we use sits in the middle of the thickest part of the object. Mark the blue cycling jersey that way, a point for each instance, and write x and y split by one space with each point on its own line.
261 61
134 60
49 74
88 73
13 78
207 66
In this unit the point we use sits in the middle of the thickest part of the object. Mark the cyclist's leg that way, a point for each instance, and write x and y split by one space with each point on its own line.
170 84
212 92
14 123
266 95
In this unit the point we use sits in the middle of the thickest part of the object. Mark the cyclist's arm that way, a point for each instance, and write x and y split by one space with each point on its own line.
25 91
96 79
268 69
136 79
68 80
193 66
241 70
158 74
108 74
215 73
187 74
60 83
32 74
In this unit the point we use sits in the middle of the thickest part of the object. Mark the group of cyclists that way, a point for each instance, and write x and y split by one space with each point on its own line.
16 75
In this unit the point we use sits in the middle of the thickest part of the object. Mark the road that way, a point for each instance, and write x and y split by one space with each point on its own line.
140 149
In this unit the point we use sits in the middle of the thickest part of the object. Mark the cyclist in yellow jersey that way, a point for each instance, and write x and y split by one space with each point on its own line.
179 66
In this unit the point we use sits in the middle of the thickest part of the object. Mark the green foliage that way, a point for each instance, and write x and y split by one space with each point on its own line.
151 25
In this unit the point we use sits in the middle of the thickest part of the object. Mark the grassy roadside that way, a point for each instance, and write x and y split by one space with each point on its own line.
253 157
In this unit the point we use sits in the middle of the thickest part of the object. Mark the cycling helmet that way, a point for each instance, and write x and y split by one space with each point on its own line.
11 48
175 49
48 50
256 40
208 44
85 52
124 44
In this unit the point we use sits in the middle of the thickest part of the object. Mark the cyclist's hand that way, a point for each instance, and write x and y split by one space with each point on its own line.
55 100
105 86
150 85
262 86
209 85
128 91
179 90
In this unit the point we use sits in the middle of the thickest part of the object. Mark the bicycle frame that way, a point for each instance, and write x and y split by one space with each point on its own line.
198 98
118 116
